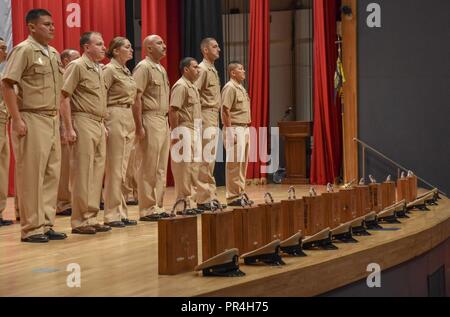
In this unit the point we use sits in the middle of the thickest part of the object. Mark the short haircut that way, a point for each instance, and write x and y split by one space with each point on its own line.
66 53
86 38
35 14
2 39
205 42
186 62
115 43
233 65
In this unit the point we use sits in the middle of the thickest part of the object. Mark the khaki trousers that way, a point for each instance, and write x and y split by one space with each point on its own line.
4 164
185 172
237 163
152 155
63 202
130 186
38 157
121 128
16 198
206 183
87 168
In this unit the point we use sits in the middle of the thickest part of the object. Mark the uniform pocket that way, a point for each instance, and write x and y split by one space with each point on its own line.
192 98
43 76
90 85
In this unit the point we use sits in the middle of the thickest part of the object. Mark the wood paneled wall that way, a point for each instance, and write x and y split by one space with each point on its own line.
350 108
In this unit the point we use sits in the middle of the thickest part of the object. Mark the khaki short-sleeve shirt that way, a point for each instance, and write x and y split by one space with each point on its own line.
120 84
37 72
3 111
85 84
152 81
236 99
186 99
209 86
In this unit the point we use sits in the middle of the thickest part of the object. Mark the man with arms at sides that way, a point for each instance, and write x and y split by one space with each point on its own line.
184 114
83 108
209 88
236 117
35 68
152 129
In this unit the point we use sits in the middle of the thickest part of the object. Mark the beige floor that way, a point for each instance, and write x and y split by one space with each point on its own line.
121 262
124 262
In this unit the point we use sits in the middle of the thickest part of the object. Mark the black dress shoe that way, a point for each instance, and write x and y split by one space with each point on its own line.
5 222
65 213
115 224
101 228
189 212
52 235
151 218
128 222
198 211
164 215
84 230
37 238
235 203
132 203
204 207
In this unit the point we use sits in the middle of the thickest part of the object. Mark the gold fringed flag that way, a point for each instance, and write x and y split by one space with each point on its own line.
339 76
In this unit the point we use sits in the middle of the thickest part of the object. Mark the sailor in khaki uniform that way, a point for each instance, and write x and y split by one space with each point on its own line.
84 102
34 67
4 146
63 205
152 129
208 85
185 118
119 122
236 119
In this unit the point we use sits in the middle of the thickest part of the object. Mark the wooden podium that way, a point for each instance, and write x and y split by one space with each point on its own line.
296 134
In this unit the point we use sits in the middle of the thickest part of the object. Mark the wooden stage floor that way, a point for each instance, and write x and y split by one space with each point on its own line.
124 262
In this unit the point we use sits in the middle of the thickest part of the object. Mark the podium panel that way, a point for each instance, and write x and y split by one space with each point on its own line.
295 135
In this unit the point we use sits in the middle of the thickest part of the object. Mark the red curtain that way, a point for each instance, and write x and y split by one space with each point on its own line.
327 153
104 16
258 75
162 17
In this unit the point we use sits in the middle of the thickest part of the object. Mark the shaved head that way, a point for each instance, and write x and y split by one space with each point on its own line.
154 47
151 39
